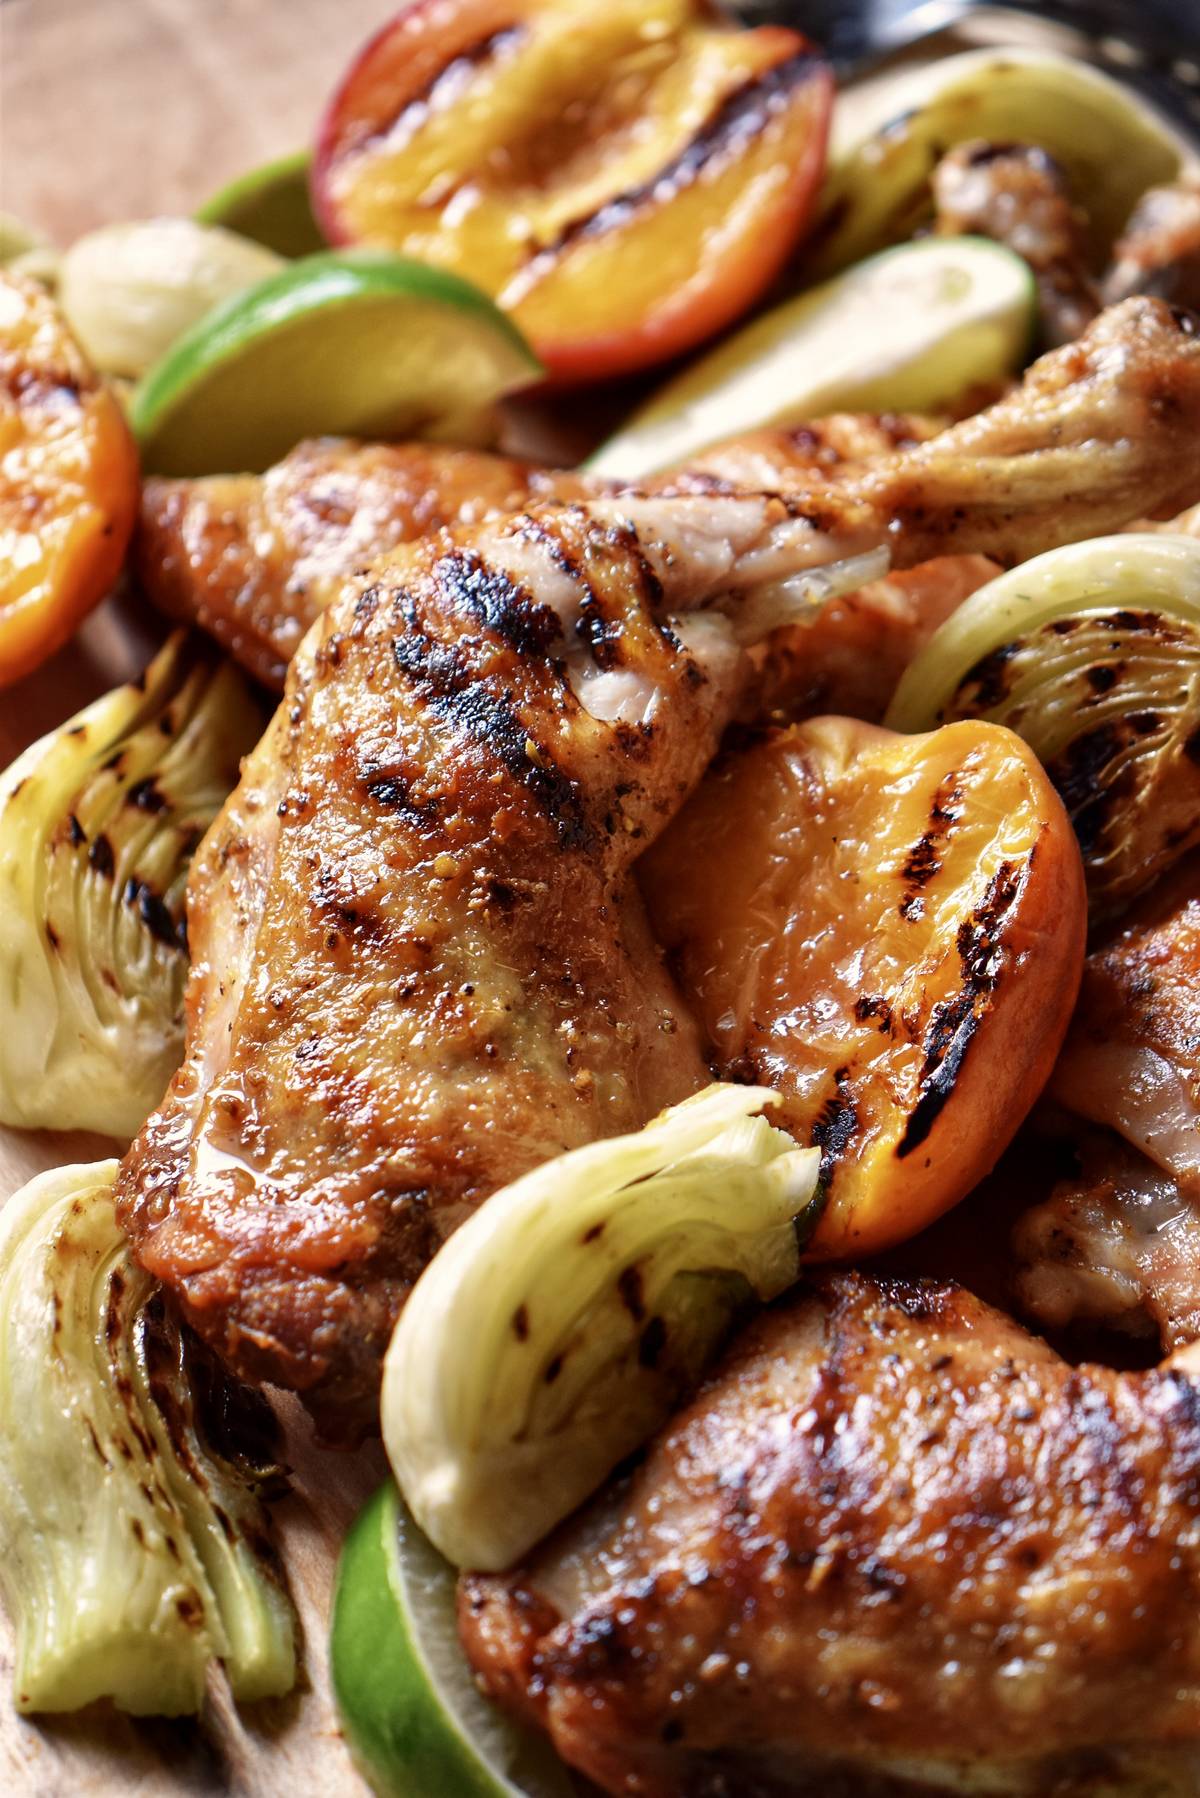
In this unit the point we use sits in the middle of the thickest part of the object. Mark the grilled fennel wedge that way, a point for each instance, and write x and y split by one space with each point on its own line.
597 1287
133 1550
1091 653
98 823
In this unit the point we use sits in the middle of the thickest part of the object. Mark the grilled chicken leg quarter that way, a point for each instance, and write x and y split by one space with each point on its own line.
419 966
895 1545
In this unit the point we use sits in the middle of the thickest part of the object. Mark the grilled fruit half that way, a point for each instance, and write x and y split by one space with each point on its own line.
890 932
624 179
1091 653
68 481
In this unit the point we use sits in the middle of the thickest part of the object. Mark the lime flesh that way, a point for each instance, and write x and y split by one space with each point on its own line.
910 329
270 206
361 344
413 1718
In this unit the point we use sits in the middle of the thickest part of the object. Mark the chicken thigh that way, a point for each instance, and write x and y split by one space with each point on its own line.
418 966
895 1544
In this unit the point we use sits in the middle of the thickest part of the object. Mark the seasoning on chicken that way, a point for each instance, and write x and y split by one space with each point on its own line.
254 559
893 1535
1159 250
418 966
1119 1244
1017 195
1116 1245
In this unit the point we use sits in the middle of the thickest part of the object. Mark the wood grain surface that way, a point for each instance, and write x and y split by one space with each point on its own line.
115 109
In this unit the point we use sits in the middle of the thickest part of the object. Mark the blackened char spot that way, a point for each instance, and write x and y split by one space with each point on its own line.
739 118
954 1021
472 706
100 856
146 796
924 859
154 914
395 792
498 602
987 681
832 1133
874 1006
629 1287
1086 783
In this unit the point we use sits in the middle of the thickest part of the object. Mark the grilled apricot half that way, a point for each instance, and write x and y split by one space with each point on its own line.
890 932
625 178
68 481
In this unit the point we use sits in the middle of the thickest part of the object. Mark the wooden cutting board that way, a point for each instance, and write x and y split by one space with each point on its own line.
114 109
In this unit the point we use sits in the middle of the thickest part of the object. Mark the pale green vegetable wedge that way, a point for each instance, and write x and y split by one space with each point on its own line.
1091 653
889 133
129 1550
596 1287
98 824
131 290
911 329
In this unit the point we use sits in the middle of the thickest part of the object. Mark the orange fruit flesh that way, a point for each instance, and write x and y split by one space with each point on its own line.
583 171
68 481
890 931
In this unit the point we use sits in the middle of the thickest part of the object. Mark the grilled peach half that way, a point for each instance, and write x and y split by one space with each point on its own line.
68 481
625 178
890 932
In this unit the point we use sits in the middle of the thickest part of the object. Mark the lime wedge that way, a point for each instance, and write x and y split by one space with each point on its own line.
270 206
909 329
359 344
413 1717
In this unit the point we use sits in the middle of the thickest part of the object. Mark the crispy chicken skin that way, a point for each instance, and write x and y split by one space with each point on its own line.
1017 195
1159 249
254 559
418 968
1119 1242
894 1538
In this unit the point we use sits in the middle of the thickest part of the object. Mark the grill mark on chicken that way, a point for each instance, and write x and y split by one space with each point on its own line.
740 117
288 1207
954 1022
470 704
496 600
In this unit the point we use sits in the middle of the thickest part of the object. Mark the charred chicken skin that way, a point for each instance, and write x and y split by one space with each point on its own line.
254 559
895 1544
418 967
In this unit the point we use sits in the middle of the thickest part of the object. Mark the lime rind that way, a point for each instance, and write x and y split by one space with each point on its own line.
415 1723
208 405
271 206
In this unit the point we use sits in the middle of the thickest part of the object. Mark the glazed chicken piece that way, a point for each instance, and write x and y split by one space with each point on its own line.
418 966
1017 195
254 559
894 1545
1119 1244
1159 250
